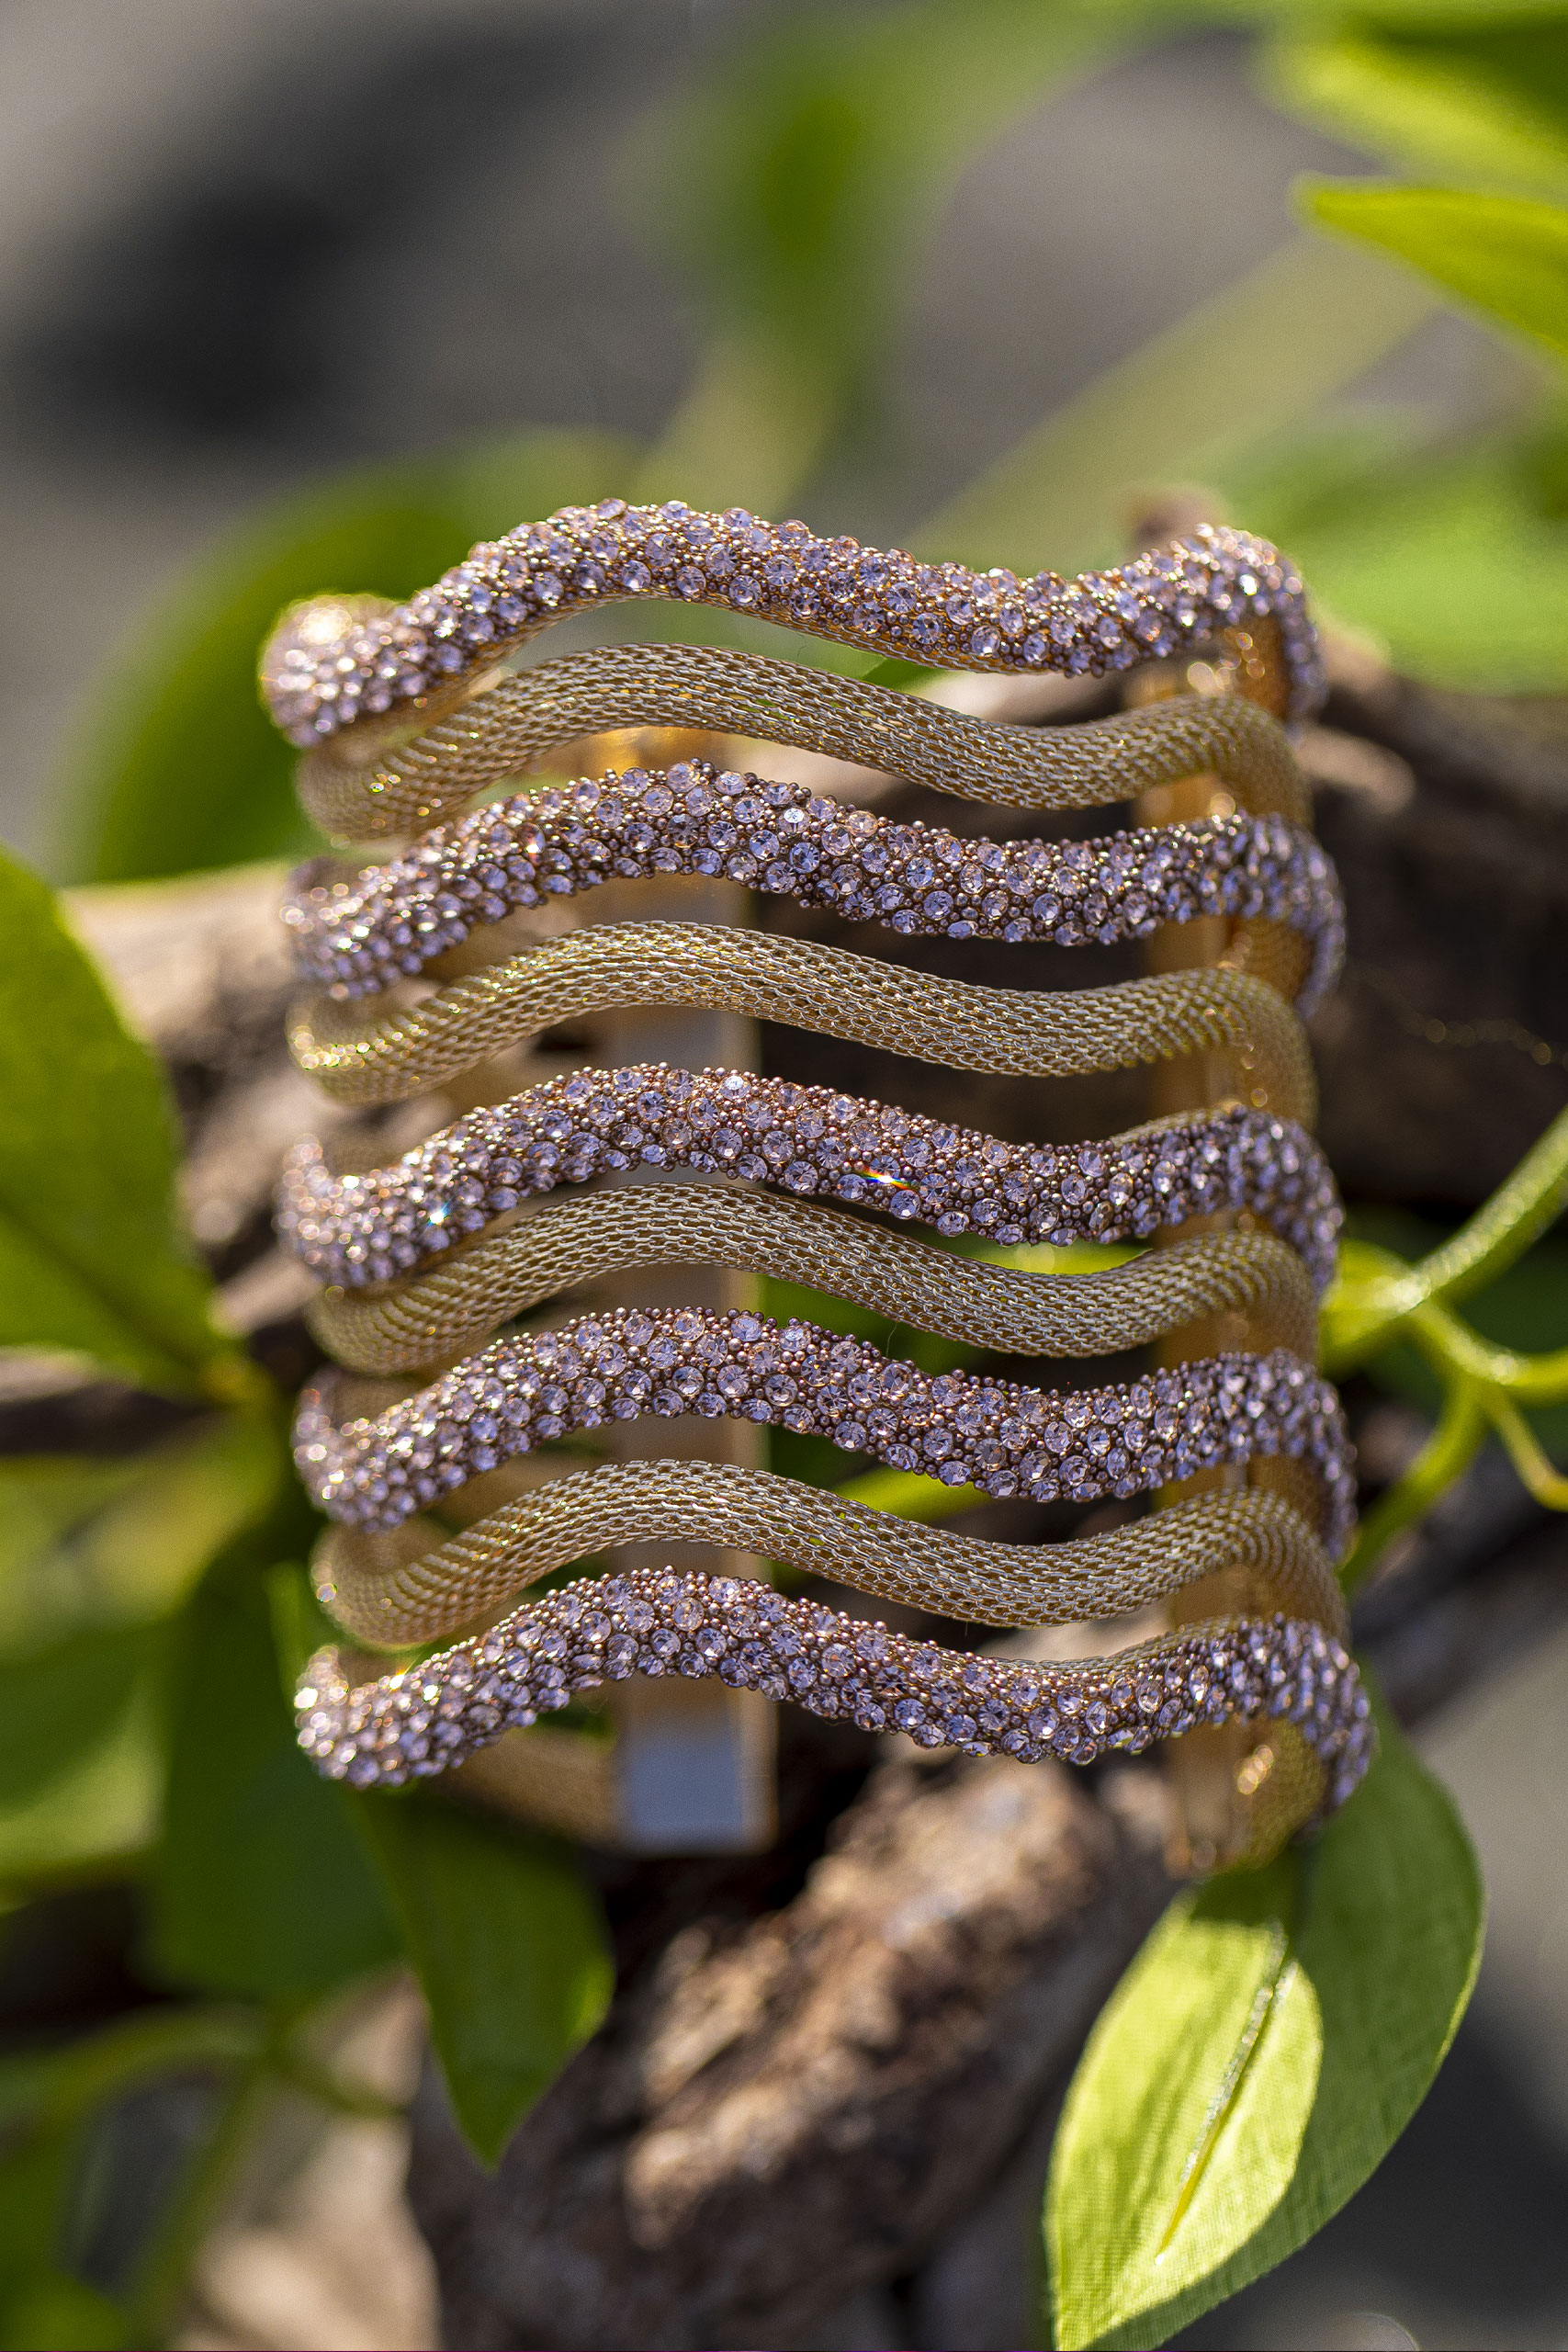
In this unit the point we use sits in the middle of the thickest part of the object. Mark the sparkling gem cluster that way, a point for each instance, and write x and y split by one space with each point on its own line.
1127 1438
357 938
939 613
356 1230
413 1724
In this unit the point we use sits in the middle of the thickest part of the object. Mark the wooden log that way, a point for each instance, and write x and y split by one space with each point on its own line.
779 2114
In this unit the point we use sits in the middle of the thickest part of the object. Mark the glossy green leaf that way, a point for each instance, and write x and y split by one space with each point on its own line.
35 2183
46 1501
86 1543
175 768
1258 2060
91 1258
261 1886
796 183
1477 101
509 1947
92 1556
1505 257
63 1701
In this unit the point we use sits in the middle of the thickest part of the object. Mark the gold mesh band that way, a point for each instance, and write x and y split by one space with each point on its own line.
446 1313
524 719
409 1586
361 1058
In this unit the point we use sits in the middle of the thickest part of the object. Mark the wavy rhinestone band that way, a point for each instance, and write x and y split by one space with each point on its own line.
691 819
1125 1439
355 1229
942 614
409 1726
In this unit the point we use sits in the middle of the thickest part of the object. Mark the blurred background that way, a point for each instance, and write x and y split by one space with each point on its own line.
906 267
975 279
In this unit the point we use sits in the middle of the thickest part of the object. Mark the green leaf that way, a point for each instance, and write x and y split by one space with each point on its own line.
80 1755
1324 314
47 1503
35 2184
796 182
1259 2058
62 1702
261 1886
1455 559
175 768
53 2309
93 1556
1505 257
85 1543
91 1258
1476 102
509 1947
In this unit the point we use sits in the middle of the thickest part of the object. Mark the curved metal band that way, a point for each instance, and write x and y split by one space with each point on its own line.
374 1226
410 1586
462 1300
523 718
811 985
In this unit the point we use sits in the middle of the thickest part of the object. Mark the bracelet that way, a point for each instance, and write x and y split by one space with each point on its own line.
456 1304
393 1588
426 1259
362 789
387 1058
355 1229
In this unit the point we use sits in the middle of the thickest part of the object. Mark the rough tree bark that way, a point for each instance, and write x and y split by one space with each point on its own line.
781 2114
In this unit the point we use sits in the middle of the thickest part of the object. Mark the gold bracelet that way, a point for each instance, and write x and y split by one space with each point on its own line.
428 1257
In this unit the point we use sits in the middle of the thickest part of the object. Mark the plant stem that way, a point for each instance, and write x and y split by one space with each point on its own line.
1502 1230
1376 1292
320 2082
1527 1455
1453 1445
1452 1347
56 2087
